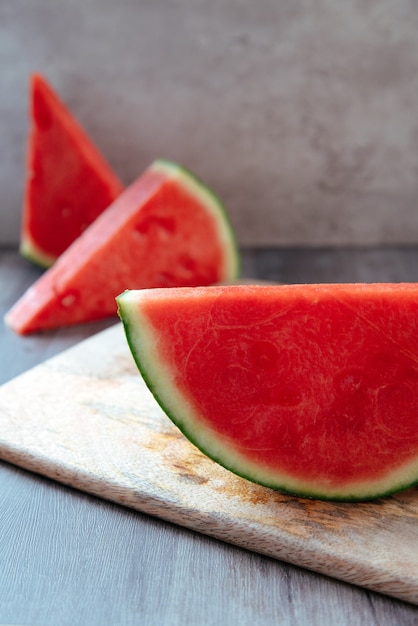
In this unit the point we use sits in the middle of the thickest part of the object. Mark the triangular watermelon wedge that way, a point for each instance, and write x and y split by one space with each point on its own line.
165 229
310 389
68 181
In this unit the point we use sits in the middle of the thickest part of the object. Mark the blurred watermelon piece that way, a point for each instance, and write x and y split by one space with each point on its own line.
167 229
68 182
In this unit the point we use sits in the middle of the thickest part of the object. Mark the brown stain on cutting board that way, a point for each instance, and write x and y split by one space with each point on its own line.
86 419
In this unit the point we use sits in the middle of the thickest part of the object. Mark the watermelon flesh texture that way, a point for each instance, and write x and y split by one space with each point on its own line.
166 229
68 181
309 389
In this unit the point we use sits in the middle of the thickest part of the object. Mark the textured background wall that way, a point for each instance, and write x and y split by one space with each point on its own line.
302 115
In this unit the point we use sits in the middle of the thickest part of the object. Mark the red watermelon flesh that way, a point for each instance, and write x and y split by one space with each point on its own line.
166 229
68 181
310 389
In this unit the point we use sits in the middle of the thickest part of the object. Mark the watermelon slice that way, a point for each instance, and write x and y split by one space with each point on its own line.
309 389
166 229
68 182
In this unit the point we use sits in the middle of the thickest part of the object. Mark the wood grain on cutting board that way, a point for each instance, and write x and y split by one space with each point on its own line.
85 418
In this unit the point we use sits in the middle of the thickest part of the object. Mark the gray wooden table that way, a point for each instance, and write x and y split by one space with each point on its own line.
69 558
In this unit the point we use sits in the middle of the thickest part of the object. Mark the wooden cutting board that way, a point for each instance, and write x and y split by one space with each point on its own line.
85 418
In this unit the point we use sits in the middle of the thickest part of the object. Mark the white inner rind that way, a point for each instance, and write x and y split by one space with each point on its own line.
32 252
144 342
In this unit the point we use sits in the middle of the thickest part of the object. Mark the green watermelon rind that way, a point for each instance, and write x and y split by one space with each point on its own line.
30 251
141 341
212 203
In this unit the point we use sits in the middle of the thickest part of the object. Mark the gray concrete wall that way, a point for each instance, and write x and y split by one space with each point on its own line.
302 115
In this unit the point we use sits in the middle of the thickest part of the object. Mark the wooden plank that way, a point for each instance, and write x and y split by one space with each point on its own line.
86 419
